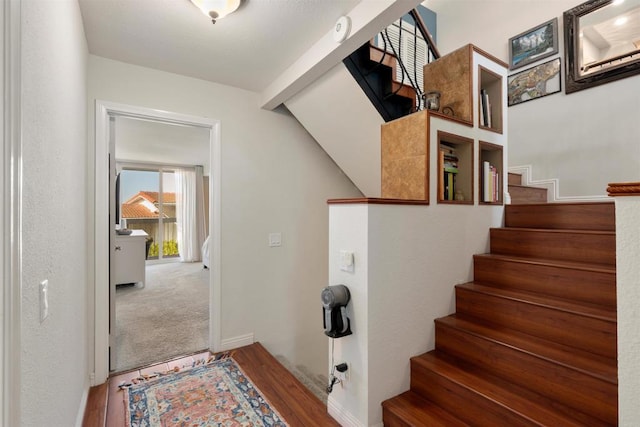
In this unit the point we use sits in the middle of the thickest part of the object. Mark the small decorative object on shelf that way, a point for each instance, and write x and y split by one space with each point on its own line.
432 100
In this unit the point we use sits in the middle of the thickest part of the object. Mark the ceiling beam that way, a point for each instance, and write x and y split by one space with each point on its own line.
368 18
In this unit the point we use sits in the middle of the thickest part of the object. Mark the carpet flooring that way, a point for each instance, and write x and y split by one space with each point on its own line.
167 317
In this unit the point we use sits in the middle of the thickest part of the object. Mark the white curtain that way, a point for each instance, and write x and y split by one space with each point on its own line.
190 213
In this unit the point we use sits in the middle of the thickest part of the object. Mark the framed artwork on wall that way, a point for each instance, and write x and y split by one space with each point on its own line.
534 44
536 82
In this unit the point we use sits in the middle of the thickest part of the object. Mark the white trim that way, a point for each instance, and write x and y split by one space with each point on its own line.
82 408
104 110
11 214
343 417
236 342
553 187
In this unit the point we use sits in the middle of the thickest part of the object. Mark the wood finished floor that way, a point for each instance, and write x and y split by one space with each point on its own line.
297 405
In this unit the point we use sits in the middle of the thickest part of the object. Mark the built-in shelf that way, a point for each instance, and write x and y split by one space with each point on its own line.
489 100
472 87
455 169
405 157
490 171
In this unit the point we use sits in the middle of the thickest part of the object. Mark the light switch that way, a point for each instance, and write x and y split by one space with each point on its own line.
275 240
44 300
347 261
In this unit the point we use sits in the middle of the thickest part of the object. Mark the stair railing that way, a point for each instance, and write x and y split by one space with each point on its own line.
411 33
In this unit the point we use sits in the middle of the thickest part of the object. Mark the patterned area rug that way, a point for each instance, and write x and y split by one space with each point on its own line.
214 394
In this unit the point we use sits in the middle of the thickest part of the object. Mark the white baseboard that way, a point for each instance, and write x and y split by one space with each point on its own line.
235 342
553 187
342 416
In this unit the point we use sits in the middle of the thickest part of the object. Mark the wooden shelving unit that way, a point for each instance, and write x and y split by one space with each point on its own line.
490 171
472 84
455 169
489 98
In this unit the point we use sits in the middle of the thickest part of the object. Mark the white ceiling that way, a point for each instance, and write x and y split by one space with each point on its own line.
248 49
156 142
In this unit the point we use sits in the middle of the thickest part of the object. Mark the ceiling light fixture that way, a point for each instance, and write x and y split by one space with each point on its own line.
216 9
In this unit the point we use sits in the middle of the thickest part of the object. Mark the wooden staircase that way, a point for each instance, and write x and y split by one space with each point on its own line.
523 194
533 340
375 72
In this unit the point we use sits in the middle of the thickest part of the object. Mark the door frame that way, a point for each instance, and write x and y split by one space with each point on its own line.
11 213
104 111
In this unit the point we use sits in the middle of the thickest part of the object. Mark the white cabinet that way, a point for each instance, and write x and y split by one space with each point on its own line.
130 257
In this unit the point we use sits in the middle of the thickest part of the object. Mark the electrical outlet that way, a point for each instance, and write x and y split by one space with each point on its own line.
343 371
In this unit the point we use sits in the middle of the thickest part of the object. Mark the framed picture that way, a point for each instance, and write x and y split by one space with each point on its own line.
534 44
536 82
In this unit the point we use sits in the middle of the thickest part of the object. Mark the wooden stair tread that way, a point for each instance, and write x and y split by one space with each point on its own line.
580 309
588 363
527 404
558 231
574 265
414 410
527 186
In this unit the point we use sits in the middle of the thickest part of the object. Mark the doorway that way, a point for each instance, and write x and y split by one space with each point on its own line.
106 115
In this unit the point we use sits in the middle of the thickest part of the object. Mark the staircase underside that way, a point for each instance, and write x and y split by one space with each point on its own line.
342 120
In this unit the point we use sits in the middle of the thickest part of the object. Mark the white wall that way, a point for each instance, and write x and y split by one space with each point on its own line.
407 261
54 363
586 139
628 289
275 178
336 111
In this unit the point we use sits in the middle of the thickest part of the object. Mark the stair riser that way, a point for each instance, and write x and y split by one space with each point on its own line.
592 216
593 287
515 178
526 195
466 404
597 248
389 419
590 334
583 392
409 409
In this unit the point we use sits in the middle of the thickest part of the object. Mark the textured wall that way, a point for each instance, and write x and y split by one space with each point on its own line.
628 287
54 370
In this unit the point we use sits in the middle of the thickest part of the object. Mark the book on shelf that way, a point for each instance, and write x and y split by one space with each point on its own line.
490 183
449 169
485 108
449 190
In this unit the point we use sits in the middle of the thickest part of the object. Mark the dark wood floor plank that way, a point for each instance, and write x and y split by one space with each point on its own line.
297 405
96 411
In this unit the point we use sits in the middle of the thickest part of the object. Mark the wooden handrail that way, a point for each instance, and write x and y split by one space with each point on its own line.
624 189
425 32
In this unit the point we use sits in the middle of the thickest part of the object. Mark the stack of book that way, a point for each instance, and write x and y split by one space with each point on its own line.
449 162
485 108
490 183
